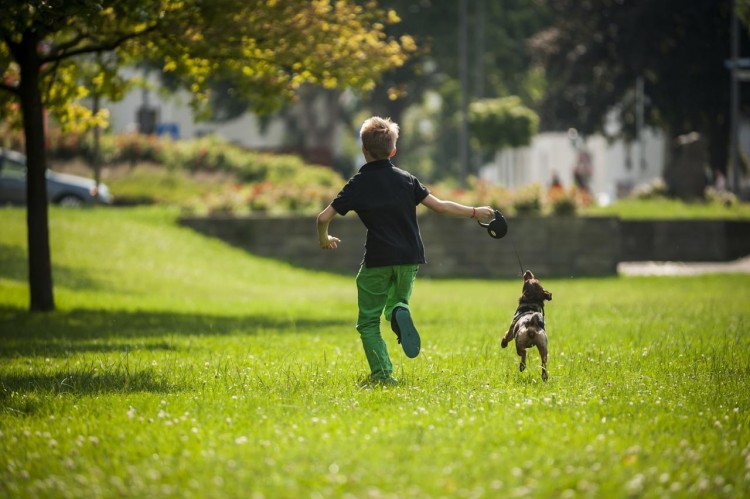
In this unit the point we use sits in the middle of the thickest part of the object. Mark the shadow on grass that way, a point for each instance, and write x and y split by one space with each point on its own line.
60 333
64 347
25 394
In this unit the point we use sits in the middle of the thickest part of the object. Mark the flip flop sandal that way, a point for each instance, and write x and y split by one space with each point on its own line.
410 341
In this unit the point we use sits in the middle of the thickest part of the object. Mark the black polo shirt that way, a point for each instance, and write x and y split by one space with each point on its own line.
385 199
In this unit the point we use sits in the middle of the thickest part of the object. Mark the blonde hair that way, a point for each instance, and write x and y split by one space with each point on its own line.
379 136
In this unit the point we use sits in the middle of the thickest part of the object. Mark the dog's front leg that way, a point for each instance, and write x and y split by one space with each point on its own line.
522 353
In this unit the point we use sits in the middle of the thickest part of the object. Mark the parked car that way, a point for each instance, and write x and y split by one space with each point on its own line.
62 189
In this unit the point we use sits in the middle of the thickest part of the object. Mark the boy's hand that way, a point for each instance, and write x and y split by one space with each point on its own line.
484 213
331 243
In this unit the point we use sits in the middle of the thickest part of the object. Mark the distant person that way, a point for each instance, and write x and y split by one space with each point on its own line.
720 181
555 186
581 177
385 198
582 171
555 183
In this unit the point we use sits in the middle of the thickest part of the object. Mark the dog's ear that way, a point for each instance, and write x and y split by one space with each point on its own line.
547 295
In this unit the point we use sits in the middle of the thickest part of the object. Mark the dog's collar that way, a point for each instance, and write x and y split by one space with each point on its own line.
524 308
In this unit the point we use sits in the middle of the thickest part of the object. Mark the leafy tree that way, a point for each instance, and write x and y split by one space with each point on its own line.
596 49
501 123
499 62
266 49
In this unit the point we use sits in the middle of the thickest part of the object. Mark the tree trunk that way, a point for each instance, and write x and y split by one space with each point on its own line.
40 264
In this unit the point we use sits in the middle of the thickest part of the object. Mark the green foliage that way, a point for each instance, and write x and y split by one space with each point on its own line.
594 51
183 366
502 123
263 52
499 64
176 172
153 184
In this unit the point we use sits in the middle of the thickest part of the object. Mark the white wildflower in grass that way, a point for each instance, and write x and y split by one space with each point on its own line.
636 484
240 440
131 412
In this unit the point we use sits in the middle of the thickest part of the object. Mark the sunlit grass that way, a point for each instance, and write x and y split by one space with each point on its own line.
668 209
176 366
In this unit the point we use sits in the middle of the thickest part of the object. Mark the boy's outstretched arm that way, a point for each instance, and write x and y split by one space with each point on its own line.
324 218
454 209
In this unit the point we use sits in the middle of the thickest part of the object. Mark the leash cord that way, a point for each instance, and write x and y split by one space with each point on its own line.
512 243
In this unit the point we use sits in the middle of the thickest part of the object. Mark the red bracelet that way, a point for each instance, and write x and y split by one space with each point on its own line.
473 212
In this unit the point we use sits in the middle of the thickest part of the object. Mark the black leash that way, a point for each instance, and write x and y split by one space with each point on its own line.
498 228
520 265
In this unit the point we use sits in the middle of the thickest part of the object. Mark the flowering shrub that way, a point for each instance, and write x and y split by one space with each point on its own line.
528 200
134 148
657 188
723 197
267 197
561 201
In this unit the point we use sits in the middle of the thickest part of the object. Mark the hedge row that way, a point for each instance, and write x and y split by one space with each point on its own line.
209 153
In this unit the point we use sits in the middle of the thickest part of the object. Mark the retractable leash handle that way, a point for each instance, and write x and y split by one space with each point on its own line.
498 227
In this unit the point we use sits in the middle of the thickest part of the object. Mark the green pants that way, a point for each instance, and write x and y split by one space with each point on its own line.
380 290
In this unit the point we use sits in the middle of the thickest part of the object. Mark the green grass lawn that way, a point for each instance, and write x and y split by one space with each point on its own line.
177 366
670 209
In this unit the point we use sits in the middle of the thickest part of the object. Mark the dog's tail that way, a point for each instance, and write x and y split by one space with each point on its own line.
537 322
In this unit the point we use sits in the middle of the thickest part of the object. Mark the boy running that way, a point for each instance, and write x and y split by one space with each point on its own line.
385 198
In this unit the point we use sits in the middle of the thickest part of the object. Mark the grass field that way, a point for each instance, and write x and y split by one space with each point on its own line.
177 366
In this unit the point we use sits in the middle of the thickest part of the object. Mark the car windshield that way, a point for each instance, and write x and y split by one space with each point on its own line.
13 169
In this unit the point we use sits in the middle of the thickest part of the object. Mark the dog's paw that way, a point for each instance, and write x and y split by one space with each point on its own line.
503 343
522 366
544 374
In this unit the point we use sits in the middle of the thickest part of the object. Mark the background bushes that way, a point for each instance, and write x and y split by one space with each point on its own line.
209 175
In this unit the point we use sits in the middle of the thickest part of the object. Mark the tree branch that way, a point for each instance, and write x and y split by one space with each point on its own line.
60 49
9 88
53 72
102 47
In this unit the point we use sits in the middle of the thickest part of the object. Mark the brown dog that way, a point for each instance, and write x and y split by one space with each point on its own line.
527 327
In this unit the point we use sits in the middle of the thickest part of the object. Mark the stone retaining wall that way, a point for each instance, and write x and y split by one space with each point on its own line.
550 246
684 240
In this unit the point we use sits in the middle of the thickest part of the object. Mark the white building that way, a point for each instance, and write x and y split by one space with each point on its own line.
173 115
615 167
